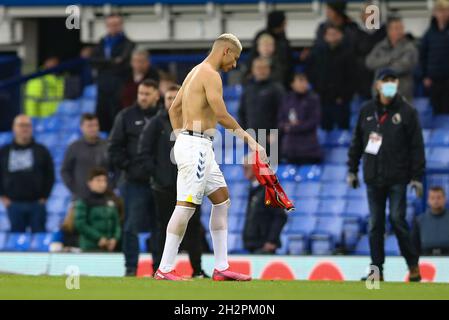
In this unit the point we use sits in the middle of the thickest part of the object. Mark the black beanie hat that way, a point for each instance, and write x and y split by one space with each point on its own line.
275 19
338 6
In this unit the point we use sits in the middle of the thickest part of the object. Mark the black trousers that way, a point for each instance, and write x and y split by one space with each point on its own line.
334 115
377 199
108 101
439 96
165 204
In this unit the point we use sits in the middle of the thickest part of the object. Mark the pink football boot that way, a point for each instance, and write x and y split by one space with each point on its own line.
227 275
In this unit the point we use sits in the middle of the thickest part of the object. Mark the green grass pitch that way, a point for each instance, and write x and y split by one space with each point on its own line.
48 287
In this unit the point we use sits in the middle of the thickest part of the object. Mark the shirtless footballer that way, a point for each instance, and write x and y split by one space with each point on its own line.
197 108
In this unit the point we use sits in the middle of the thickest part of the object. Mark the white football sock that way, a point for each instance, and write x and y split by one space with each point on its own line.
218 226
176 229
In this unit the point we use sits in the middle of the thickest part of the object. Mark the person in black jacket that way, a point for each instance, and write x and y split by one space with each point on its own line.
263 225
330 68
136 189
155 146
434 53
388 135
26 178
260 100
111 60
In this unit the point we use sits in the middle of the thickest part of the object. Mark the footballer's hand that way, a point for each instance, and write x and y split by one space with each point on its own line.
418 187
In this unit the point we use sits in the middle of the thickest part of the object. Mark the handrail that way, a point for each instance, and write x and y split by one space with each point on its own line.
64 66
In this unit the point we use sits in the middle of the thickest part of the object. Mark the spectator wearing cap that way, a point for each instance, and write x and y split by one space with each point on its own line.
298 120
388 136
398 53
336 15
276 26
365 40
430 231
434 53
330 68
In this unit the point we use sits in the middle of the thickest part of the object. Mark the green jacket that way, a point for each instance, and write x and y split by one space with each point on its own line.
43 94
95 222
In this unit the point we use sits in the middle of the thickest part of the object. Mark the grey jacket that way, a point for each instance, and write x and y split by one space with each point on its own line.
79 158
402 59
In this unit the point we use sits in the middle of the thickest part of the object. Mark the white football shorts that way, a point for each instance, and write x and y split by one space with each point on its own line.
198 173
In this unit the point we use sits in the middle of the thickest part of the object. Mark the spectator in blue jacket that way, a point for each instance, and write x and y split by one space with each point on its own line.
435 57
298 121
431 229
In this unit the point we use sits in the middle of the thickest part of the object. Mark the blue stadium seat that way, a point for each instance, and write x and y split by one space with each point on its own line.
233 106
283 250
49 139
57 206
322 245
69 107
232 92
359 193
331 226
88 105
60 191
331 207
69 137
307 207
357 208
233 172
334 190
143 238
71 123
422 104
338 138
239 189
322 136
90 92
3 237
4 222
308 189
362 247
426 134
235 243
290 188
288 172
5 138
439 138
51 123
438 158
302 225
238 207
334 173
351 233
337 155
41 242
18 242
235 224
54 222
309 173
441 121
297 245
391 246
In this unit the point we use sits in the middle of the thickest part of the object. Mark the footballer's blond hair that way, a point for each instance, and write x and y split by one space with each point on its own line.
229 38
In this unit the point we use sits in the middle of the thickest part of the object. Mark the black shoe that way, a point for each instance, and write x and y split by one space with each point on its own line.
414 275
131 272
200 275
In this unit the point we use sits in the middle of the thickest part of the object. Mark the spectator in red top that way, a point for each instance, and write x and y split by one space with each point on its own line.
141 70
